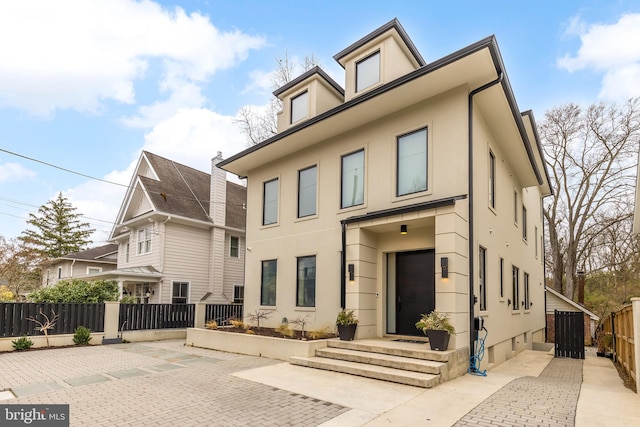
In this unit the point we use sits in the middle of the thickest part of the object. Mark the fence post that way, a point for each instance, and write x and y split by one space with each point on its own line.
201 309
635 309
111 319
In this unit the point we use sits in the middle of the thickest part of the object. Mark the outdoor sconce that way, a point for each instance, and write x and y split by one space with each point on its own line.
508 301
351 272
444 265
403 229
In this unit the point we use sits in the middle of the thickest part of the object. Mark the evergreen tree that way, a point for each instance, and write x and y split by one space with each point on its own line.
57 229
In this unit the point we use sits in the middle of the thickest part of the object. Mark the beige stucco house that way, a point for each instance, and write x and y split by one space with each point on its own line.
81 264
180 234
417 186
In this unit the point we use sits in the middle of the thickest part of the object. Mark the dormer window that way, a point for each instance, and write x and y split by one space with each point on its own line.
368 71
299 107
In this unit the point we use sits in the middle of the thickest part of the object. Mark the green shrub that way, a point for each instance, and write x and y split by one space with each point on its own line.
82 336
77 291
22 343
128 299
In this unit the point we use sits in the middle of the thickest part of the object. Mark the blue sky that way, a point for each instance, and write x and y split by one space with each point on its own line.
86 85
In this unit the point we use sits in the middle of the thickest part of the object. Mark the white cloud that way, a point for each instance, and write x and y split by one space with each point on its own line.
191 137
75 54
611 49
12 172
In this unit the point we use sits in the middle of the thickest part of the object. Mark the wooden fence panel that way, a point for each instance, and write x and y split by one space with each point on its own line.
156 316
14 317
222 313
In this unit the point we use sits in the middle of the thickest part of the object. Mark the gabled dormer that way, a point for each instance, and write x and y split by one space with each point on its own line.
378 58
307 96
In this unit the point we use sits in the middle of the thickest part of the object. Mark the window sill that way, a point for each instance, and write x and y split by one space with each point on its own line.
516 311
352 208
276 224
419 194
305 309
268 307
307 218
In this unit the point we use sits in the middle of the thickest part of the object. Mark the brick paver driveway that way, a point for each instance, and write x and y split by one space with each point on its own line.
155 384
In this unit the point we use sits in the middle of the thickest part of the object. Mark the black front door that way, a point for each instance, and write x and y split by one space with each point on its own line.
415 285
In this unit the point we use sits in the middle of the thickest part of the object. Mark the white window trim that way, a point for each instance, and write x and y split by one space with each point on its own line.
231 247
94 268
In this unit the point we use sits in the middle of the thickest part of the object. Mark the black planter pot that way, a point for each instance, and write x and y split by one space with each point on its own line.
347 332
111 341
438 340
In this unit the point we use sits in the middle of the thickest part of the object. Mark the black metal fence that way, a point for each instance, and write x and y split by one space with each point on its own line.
14 318
569 334
135 317
221 313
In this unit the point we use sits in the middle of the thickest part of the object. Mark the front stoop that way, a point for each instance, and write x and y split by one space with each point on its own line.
386 360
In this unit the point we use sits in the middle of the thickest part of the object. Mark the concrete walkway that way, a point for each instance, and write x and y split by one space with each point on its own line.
166 383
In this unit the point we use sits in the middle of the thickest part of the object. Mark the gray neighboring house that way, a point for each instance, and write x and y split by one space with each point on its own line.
180 234
81 264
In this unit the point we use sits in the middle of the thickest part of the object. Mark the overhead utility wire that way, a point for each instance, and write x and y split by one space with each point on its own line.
163 194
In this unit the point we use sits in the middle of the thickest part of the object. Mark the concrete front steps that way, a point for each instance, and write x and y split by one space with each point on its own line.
384 359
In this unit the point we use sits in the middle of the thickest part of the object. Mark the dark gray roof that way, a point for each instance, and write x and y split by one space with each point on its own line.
236 213
184 191
315 70
394 23
180 190
99 253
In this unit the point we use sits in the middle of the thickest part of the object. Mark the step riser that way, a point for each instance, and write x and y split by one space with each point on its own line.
363 372
406 365
424 353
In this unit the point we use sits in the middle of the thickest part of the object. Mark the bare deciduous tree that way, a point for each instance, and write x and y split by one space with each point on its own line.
592 156
260 124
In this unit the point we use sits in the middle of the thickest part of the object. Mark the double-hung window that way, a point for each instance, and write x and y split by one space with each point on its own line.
352 182
527 302
180 293
524 223
144 240
482 278
238 294
270 202
299 107
412 162
234 247
306 282
368 71
307 185
515 291
268 282
492 180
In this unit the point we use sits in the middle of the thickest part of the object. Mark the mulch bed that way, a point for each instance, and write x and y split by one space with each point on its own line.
271 332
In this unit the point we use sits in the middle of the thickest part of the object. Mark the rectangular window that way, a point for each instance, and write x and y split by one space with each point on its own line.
501 277
94 270
180 293
352 182
306 282
234 246
238 294
524 223
268 282
59 272
492 180
126 254
144 240
482 278
307 184
368 71
412 162
270 202
299 107
527 303
515 290
515 207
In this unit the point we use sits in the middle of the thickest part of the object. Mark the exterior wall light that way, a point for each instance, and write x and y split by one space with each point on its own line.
444 265
351 272
403 229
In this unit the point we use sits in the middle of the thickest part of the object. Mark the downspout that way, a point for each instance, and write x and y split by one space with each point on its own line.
472 297
343 260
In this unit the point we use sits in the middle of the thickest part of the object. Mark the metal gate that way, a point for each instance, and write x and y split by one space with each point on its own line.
569 334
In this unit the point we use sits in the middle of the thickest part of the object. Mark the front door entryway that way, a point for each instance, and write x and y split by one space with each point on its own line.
415 289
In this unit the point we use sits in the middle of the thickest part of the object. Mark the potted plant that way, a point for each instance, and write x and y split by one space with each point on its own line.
436 326
347 323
